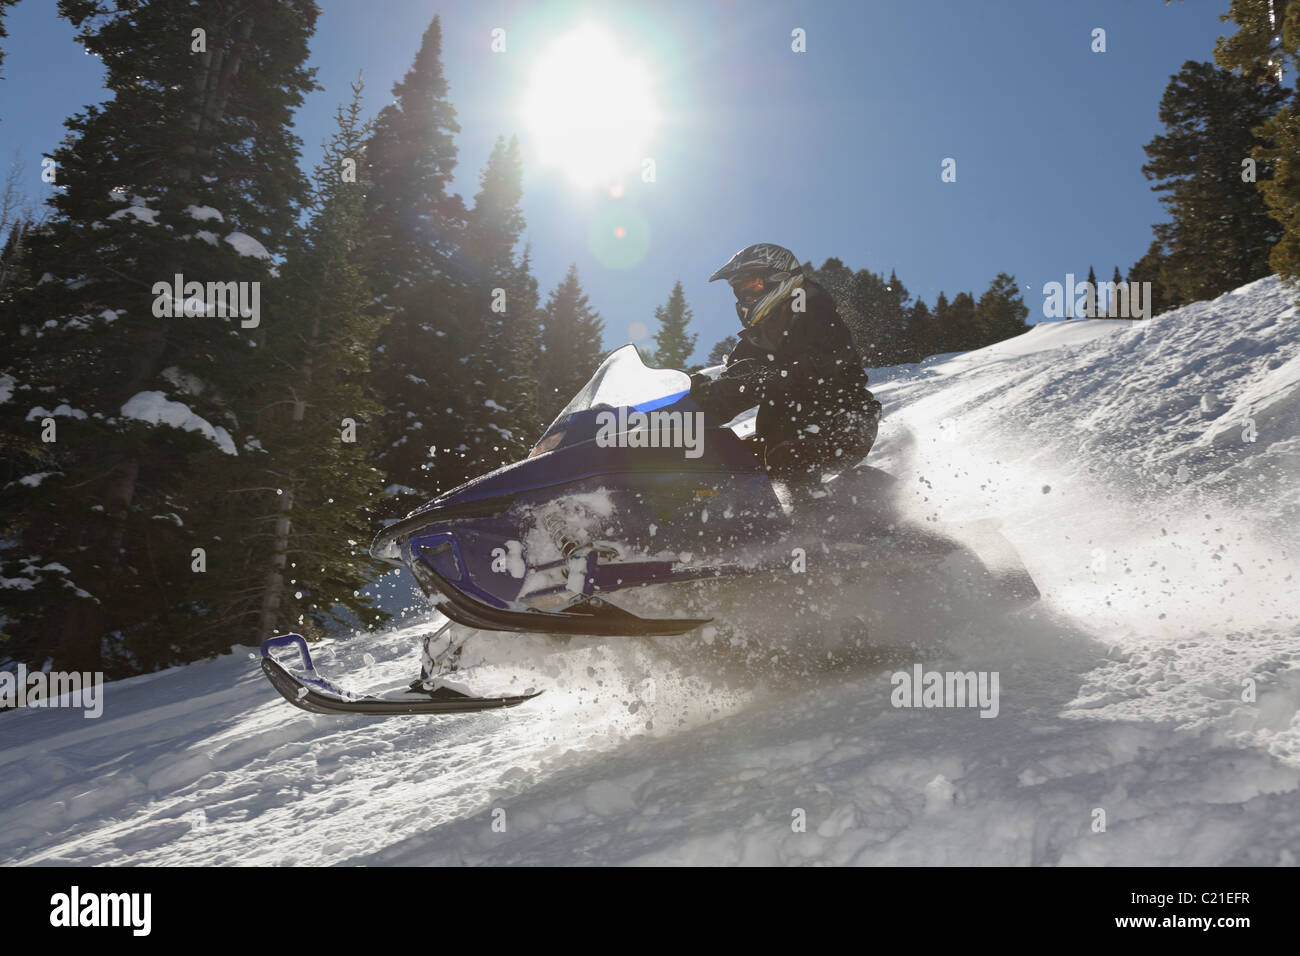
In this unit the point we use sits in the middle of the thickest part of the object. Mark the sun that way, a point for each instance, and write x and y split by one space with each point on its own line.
590 108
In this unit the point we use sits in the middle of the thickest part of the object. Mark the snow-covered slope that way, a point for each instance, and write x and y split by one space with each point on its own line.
1118 457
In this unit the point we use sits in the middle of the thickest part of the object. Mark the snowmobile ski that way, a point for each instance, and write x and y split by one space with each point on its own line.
585 615
316 694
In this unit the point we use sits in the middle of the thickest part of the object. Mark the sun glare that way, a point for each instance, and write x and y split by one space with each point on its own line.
590 108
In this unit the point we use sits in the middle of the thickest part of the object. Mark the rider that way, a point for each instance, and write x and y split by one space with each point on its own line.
796 361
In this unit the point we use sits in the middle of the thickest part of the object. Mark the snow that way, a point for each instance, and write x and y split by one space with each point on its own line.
7 383
64 410
1157 682
156 409
29 566
185 381
396 489
204 213
137 211
246 245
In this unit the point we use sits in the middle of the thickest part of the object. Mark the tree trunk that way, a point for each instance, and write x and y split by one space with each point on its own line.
274 593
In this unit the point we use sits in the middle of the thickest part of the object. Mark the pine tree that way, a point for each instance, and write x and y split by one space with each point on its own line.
1266 42
867 301
1001 312
1112 298
673 344
718 354
301 491
838 280
922 334
424 372
12 272
1268 34
502 298
959 329
189 168
1091 308
411 157
529 418
1150 268
859 300
4 35
895 309
571 344
1220 233
943 341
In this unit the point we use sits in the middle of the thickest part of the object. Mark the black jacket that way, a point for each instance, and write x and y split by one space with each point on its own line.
804 374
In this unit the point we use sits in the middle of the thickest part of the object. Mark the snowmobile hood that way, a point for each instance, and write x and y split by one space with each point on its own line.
481 497
568 450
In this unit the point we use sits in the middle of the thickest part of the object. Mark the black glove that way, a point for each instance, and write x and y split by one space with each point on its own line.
700 383
738 387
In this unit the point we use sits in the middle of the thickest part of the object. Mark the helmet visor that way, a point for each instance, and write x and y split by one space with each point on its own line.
748 290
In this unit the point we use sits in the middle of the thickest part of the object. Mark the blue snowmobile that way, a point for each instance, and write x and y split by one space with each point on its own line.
634 487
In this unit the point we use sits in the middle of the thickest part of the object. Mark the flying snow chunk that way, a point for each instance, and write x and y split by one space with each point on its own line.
246 245
204 213
940 795
156 409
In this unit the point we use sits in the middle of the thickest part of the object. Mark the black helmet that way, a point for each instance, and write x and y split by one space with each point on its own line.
761 275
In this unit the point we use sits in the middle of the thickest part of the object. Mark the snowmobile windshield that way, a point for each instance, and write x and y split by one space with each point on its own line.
623 380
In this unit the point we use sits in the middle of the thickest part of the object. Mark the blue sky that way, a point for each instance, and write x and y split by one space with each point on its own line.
831 152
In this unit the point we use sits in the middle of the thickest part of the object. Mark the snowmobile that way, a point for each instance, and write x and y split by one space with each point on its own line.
634 487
